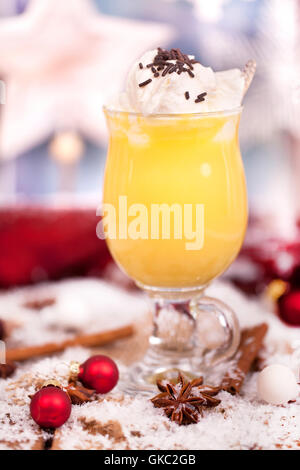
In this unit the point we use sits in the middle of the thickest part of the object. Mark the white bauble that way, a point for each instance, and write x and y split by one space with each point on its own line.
277 385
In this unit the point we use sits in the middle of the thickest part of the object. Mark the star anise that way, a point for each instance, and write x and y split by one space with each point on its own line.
184 402
79 394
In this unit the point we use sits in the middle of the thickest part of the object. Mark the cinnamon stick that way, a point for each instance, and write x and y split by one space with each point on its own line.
97 339
6 370
250 345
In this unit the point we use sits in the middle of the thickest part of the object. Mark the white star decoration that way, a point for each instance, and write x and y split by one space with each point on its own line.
60 60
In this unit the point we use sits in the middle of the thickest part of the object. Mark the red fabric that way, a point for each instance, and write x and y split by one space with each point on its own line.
38 244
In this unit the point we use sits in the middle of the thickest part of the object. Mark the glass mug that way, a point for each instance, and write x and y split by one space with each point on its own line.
175 216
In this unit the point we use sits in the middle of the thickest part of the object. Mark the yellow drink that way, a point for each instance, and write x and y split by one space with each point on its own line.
183 159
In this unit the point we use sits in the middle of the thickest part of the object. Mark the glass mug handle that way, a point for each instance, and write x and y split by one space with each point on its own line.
227 321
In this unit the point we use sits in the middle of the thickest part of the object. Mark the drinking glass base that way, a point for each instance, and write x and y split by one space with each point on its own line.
141 377
179 343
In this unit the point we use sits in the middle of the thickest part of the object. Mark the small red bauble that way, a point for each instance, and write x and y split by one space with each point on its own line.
289 308
50 407
99 373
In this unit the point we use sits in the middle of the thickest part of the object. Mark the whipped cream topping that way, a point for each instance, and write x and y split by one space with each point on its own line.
170 82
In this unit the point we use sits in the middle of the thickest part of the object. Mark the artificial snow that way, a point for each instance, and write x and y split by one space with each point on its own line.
115 421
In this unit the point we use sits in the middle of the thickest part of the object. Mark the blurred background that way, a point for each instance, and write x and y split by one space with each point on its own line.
59 61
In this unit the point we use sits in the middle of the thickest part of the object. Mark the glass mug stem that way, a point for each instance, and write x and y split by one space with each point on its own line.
181 340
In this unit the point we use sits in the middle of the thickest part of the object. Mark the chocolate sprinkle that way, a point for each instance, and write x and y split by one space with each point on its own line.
201 97
168 67
164 61
168 62
172 69
146 82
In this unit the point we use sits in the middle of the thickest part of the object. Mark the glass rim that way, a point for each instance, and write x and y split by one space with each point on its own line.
226 112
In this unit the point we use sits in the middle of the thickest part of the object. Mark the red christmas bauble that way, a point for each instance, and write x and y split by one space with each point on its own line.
289 308
50 407
99 373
